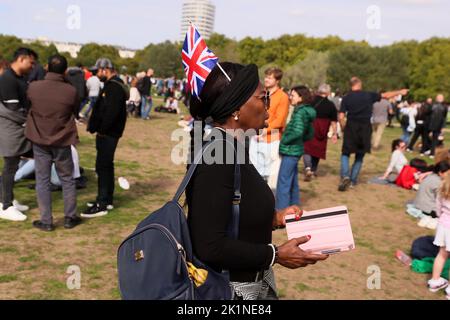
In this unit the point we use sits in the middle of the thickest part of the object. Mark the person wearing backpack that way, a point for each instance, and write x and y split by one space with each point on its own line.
408 120
108 121
298 130
238 106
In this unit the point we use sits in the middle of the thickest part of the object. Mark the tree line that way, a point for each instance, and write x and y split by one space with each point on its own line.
424 67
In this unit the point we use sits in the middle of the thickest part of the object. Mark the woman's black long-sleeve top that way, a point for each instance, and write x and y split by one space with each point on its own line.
209 199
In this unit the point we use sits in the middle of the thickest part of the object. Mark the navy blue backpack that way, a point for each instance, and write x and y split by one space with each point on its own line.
153 261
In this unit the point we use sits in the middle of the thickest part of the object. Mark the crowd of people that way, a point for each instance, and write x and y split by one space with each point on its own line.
38 117
38 125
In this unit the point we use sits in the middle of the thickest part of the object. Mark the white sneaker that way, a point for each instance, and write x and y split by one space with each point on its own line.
424 221
432 224
447 291
436 285
20 206
12 214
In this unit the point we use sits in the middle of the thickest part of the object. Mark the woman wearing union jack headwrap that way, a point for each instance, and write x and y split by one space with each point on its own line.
233 101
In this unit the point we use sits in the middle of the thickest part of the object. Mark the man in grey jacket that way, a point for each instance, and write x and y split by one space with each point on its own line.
13 144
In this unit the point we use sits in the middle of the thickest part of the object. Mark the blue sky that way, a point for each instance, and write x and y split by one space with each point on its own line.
136 23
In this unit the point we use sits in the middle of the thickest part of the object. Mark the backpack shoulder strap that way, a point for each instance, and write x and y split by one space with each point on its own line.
234 223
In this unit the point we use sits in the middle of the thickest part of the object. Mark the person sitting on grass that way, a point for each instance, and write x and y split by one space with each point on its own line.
170 107
398 161
442 238
424 204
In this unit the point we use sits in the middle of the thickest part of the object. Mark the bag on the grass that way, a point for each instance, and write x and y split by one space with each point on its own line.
424 247
419 164
425 265
406 177
156 261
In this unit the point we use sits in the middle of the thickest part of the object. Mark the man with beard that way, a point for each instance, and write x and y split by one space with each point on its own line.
108 120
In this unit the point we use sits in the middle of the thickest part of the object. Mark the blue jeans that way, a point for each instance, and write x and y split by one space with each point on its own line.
92 101
27 168
288 192
146 106
356 168
406 135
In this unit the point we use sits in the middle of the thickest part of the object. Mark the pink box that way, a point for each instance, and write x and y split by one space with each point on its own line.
329 228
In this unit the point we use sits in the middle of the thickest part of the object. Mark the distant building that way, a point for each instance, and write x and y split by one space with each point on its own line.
201 13
73 48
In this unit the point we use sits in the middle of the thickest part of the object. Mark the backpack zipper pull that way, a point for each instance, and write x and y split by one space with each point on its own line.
180 253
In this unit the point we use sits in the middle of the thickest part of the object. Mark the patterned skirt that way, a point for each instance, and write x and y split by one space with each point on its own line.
264 289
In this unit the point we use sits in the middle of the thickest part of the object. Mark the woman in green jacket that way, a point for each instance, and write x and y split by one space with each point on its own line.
298 131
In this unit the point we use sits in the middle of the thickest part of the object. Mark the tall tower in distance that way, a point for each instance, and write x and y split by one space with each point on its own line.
201 13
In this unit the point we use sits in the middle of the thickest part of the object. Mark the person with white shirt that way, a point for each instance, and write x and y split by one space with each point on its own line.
396 164
172 105
134 102
398 160
94 85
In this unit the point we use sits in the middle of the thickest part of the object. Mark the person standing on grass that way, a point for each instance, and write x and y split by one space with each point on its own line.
75 75
51 127
108 120
298 130
408 109
438 120
422 123
264 149
13 115
316 148
357 106
145 89
379 120
442 238
93 85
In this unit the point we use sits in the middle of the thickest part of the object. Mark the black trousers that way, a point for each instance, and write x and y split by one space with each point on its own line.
104 166
10 166
434 141
420 131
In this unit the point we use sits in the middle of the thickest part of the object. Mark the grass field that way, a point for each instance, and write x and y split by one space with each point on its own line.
34 264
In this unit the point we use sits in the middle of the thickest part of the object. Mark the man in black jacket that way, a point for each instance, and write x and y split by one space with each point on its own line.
438 120
145 89
108 120
13 144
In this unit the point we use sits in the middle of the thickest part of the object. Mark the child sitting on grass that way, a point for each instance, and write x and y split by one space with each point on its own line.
442 238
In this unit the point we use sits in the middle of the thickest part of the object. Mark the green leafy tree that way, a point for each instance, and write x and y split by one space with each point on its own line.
250 51
430 68
311 71
9 44
225 48
89 53
163 58
348 61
